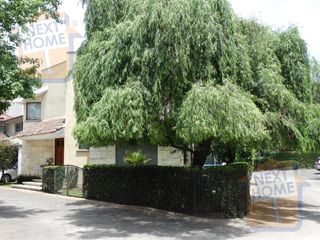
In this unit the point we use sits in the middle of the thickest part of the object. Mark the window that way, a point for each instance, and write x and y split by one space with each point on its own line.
18 127
83 147
34 111
2 128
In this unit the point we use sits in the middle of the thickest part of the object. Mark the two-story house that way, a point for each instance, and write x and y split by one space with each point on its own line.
42 139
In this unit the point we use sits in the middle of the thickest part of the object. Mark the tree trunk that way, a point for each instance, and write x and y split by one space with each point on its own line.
201 153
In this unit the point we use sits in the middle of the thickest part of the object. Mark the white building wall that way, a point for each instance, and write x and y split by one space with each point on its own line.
105 155
35 153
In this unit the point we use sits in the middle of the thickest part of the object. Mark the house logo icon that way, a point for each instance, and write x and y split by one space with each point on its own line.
276 199
49 42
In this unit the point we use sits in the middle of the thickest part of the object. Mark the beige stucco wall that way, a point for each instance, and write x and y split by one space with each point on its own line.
53 102
72 155
34 154
105 155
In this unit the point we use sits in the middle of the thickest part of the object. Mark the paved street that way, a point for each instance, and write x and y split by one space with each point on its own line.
39 216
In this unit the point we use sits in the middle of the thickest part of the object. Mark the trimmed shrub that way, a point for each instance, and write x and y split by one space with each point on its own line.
222 189
26 178
53 178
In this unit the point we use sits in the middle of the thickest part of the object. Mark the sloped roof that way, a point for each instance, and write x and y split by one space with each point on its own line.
44 127
5 117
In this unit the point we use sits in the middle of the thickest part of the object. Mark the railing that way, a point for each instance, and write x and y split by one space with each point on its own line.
64 180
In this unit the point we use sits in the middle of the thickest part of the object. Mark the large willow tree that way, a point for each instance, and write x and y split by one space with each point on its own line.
190 74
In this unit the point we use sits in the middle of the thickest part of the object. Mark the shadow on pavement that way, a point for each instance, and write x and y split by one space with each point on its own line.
7 212
102 220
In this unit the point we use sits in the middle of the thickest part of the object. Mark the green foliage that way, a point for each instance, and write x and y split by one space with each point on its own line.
136 158
14 81
120 115
191 72
8 155
221 189
222 112
305 160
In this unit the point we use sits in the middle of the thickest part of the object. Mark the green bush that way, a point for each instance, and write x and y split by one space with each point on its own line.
305 160
136 158
221 189
26 178
53 178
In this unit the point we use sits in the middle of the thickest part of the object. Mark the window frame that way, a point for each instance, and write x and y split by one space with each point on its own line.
27 115
21 127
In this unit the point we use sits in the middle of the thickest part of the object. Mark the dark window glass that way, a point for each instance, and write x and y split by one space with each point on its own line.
34 111
19 127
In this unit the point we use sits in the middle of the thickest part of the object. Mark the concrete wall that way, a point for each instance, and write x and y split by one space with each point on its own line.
33 155
72 155
105 155
169 156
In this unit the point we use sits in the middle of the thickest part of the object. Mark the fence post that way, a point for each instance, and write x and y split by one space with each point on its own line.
194 193
67 178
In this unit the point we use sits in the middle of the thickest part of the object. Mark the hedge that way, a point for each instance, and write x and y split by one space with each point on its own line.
213 190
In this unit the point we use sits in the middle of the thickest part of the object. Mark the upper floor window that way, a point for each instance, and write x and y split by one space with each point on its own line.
33 111
18 127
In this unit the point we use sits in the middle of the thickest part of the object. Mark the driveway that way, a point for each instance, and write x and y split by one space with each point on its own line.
40 216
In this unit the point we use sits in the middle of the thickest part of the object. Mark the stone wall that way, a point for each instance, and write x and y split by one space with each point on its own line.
169 156
106 155
33 155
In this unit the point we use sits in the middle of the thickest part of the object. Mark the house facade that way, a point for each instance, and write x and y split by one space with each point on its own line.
48 121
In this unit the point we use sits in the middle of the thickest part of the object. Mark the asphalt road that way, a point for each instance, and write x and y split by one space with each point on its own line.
39 216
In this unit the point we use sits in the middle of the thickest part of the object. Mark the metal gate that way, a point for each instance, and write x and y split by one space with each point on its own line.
69 180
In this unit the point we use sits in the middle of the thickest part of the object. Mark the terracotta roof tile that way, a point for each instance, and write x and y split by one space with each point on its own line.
5 117
44 127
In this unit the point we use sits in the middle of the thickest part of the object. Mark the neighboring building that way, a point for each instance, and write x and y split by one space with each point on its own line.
10 126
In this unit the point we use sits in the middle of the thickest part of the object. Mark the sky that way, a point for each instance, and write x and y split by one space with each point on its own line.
279 14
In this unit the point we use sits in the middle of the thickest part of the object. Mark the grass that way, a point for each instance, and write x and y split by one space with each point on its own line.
75 192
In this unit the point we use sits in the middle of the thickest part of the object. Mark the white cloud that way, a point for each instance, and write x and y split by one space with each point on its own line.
283 13
74 9
276 13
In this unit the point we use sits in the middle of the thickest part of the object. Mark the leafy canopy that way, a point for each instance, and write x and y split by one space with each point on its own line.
8 155
191 72
14 81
